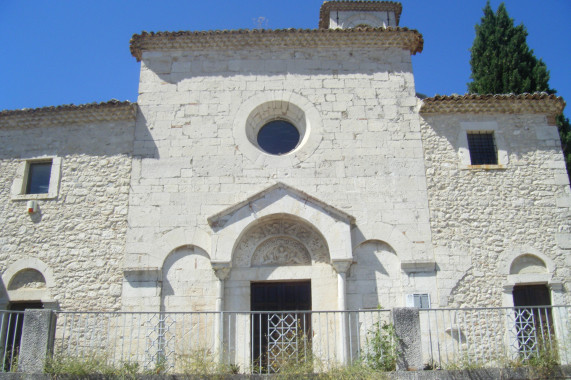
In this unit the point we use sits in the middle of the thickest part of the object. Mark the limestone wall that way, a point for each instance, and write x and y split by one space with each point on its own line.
483 219
193 159
77 239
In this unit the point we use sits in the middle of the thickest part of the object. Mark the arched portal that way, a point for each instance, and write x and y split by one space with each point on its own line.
281 248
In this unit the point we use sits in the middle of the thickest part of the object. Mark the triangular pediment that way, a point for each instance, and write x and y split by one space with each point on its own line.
273 196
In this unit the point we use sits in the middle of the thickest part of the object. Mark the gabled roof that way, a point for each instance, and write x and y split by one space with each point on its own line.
221 218
536 103
370 6
69 114
372 38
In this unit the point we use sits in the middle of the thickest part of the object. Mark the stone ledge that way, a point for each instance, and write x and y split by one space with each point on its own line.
522 373
415 266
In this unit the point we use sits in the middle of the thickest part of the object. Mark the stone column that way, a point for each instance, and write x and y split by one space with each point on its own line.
222 271
407 328
341 268
37 340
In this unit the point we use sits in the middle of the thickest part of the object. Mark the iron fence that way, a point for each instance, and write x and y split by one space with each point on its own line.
266 341
495 336
258 342
10 336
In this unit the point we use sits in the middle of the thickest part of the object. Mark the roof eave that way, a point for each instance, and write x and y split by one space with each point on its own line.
404 38
113 110
536 103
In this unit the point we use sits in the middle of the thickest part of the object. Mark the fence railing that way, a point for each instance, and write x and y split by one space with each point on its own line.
495 336
10 336
266 341
258 342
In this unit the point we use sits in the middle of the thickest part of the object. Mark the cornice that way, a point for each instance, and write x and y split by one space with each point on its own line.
112 110
536 103
371 38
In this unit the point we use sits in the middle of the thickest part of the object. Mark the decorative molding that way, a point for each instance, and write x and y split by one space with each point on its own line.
341 266
281 251
261 245
556 286
221 269
220 219
255 111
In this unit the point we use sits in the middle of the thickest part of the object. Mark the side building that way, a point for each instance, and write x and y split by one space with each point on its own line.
63 205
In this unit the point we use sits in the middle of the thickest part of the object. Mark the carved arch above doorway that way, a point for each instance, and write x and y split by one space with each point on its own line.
280 240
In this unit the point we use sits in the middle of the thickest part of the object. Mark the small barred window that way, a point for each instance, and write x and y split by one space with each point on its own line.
482 148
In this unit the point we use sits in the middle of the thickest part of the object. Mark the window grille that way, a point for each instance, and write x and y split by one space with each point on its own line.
482 148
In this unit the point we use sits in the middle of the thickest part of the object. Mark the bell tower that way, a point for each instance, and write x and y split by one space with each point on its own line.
352 14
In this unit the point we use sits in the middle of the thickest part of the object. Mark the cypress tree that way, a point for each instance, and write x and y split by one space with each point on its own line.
501 60
503 63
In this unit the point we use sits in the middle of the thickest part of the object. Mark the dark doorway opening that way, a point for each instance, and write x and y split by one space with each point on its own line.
533 320
281 332
11 331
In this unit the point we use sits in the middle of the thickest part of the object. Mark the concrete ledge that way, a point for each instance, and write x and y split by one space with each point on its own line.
523 373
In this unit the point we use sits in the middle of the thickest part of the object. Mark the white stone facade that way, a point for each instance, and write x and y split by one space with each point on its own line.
177 208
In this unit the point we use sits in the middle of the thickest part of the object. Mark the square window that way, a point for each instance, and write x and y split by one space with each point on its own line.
482 148
38 179
422 301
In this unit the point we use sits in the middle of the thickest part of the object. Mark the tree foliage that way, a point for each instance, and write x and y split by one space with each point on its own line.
503 63
501 60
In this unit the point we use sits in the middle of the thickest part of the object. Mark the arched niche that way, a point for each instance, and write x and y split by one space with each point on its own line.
27 279
188 280
527 264
280 240
374 278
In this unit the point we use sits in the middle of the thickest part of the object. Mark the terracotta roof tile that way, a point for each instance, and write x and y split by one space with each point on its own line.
538 103
374 6
277 39
69 114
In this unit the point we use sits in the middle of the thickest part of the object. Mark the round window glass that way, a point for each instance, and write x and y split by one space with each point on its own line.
278 137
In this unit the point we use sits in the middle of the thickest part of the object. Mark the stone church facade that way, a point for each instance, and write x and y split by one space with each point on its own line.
175 203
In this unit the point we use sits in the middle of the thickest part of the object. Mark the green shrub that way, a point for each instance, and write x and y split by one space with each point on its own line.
380 352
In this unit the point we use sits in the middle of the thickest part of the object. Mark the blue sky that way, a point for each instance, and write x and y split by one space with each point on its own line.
62 51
